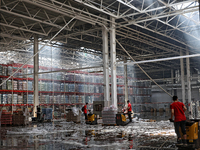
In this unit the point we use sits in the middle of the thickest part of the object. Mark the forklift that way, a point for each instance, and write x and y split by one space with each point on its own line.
193 135
92 119
121 119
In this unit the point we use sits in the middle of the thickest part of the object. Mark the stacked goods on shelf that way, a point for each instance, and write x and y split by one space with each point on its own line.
71 98
20 85
49 86
20 99
62 87
4 70
15 99
79 88
57 100
66 99
56 87
42 99
0 98
6 118
4 86
4 99
69 77
99 98
30 85
9 99
1 70
71 87
79 78
62 100
47 100
25 99
98 79
9 85
109 115
86 88
130 91
76 98
24 85
29 71
15 87
66 87
30 99
42 86
91 88
51 99
89 99
9 70
81 99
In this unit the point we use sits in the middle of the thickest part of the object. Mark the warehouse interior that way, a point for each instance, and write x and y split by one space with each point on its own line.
61 54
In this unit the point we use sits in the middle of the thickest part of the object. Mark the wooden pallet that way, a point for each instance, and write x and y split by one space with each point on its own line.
109 124
151 120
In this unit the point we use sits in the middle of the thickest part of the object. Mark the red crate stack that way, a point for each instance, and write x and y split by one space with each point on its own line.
6 118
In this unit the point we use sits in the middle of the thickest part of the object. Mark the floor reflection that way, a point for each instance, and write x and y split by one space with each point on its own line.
64 135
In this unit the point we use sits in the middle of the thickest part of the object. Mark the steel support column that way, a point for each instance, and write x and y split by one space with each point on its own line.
113 62
125 81
36 68
188 82
106 67
182 77
172 76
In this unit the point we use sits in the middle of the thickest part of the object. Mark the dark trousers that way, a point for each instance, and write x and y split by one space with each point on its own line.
182 125
85 116
129 116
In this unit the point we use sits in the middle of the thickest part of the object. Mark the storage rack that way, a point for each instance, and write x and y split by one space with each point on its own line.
59 90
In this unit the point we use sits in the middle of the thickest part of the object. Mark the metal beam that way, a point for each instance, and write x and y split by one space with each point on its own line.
158 16
33 19
113 62
125 81
146 10
106 67
189 84
19 28
182 77
36 68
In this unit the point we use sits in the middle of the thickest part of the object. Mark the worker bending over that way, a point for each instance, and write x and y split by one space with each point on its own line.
177 111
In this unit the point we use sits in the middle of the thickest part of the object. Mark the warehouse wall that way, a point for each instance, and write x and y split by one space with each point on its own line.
160 97
195 94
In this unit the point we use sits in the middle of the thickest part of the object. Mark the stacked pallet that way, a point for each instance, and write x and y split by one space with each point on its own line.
71 116
109 116
21 118
18 119
6 118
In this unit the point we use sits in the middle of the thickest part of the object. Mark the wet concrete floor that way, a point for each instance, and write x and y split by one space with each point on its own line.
62 135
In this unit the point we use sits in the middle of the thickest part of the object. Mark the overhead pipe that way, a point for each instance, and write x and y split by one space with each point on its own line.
156 60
